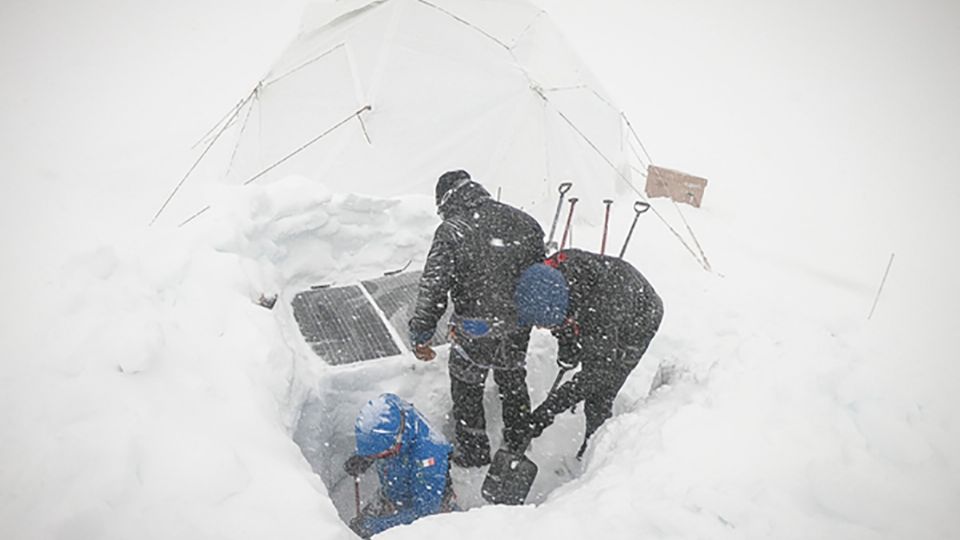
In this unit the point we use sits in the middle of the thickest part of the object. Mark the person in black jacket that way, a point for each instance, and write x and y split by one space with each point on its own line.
604 313
478 253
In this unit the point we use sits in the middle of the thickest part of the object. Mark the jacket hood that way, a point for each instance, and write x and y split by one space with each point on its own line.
380 424
461 198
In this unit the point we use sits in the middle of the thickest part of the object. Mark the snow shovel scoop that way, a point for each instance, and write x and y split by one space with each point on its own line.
509 478
511 475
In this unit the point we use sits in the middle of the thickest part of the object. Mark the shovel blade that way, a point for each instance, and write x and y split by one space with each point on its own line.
509 478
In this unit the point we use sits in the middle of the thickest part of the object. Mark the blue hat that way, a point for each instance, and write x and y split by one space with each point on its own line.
379 425
542 296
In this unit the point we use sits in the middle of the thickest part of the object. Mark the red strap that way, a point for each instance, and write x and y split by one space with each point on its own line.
555 260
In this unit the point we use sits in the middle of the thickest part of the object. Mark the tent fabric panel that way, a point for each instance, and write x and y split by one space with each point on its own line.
444 95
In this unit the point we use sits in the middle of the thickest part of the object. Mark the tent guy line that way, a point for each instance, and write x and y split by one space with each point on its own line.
259 87
293 70
303 147
225 118
243 128
702 258
226 125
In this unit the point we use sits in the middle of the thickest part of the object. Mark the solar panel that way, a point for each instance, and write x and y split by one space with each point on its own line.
342 326
396 296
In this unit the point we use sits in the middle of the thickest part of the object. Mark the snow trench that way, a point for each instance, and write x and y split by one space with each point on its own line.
360 240
182 398
324 430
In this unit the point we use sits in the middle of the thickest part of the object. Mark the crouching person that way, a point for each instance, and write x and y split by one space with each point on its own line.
411 462
603 313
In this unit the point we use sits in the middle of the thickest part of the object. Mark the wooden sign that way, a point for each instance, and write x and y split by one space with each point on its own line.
677 185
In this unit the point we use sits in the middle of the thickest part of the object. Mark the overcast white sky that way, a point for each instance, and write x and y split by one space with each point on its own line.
825 112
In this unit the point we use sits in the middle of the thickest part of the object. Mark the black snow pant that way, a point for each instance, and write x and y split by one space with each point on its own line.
471 359
596 384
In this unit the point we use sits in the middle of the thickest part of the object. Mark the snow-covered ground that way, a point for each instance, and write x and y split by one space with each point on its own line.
143 394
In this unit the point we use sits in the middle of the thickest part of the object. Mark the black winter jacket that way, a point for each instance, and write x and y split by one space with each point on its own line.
613 312
477 256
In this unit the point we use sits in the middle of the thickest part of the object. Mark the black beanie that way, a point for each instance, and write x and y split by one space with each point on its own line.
450 180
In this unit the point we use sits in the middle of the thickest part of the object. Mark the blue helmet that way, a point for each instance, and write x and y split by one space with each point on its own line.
379 426
542 296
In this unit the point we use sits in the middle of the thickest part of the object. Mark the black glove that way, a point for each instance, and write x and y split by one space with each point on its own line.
357 465
567 362
358 526
569 351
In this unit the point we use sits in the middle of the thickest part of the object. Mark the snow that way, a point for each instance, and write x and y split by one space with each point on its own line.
145 394
373 415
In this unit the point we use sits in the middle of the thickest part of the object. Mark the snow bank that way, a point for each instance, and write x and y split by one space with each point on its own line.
162 399
161 396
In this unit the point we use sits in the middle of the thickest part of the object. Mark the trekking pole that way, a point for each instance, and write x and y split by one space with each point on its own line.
563 240
564 188
639 207
356 492
606 222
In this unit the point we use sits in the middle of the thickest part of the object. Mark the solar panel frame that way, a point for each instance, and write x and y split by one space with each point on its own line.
349 324
396 296
342 326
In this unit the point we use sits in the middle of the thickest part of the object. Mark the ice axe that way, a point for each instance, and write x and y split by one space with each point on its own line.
639 207
563 189
356 524
606 223
566 229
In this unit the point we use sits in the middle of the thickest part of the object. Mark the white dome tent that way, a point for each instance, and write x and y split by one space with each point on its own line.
408 89
411 88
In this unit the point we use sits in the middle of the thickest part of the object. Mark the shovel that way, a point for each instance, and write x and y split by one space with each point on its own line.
511 475
509 478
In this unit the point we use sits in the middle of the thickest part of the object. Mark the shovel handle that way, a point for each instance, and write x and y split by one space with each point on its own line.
566 230
639 207
563 189
606 223
556 382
